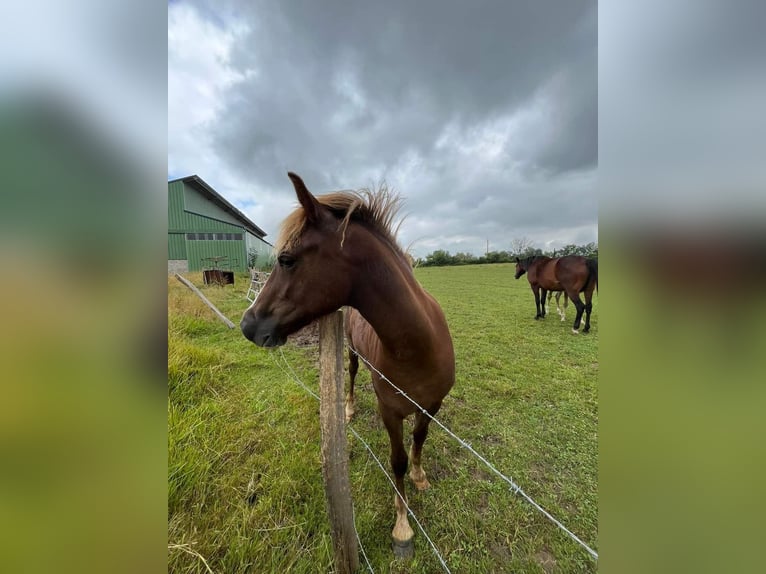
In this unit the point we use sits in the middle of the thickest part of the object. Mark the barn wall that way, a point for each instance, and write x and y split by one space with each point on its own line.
182 221
176 220
195 223
263 250
183 200
176 246
199 250
195 202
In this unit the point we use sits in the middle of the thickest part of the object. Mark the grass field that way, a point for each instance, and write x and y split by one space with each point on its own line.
244 478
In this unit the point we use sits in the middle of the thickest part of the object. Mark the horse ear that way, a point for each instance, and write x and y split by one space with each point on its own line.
309 203
517 260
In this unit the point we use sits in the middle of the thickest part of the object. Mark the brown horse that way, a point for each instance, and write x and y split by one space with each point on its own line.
572 274
339 249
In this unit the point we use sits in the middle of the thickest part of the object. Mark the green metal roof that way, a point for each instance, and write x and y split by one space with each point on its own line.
214 196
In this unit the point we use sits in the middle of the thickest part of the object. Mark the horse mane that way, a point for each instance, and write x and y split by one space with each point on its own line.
376 210
527 261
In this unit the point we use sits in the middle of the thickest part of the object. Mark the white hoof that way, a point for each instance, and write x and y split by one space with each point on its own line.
575 332
350 410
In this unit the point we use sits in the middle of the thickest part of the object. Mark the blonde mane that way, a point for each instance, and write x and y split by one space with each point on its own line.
376 210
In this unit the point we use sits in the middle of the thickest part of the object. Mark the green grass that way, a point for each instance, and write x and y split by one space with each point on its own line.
244 477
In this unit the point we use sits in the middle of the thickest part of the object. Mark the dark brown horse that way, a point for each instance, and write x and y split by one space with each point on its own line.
339 249
572 274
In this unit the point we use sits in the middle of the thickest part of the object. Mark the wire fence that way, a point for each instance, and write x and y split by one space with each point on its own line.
306 388
514 486
292 374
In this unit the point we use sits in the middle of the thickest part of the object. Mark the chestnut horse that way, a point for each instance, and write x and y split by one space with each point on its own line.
561 310
572 274
339 250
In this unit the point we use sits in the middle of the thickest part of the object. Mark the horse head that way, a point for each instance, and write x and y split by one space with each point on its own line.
520 268
311 277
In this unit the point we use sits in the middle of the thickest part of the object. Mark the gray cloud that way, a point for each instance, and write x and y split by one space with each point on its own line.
484 115
681 99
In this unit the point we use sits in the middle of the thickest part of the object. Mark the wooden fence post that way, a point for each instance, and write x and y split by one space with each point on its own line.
334 457
205 300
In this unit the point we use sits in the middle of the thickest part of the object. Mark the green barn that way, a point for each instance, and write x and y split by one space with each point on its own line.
205 231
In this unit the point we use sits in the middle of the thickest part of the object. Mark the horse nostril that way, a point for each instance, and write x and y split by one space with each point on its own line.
247 326
259 329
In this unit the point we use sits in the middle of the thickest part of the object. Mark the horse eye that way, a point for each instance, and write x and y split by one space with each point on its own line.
286 261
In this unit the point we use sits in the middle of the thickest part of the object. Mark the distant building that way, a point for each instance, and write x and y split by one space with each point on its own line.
206 231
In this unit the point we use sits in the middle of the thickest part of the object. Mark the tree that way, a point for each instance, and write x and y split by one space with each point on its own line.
520 246
440 257
259 260
464 258
589 250
437 258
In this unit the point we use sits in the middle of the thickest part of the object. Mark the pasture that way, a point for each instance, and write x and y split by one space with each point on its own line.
245 487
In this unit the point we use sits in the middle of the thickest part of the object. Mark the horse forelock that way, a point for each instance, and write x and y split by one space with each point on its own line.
377 210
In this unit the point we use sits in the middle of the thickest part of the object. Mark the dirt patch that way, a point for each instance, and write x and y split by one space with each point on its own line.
538 472
545 559
493 440
483 503
478 473
306 337
435 471
500 551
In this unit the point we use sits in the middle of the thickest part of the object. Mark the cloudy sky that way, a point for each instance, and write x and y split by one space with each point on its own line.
483 115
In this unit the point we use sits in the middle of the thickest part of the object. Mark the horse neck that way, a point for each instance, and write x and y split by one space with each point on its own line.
387 295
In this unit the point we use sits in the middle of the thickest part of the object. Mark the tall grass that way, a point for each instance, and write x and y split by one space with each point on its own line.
244 487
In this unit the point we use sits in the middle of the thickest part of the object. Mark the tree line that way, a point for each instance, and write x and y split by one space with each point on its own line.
520 249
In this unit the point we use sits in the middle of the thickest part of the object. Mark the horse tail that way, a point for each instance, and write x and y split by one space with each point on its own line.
592 264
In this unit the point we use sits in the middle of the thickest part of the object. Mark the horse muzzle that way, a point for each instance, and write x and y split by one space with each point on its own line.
261 331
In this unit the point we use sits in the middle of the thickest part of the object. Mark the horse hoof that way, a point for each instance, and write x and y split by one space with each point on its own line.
586 330
403 549
421 484
575 332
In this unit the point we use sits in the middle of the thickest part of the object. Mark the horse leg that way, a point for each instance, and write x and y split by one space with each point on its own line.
564 308
580 306
558 299
588 306
550 298
353 368
536 291
402 533
545 300
419 434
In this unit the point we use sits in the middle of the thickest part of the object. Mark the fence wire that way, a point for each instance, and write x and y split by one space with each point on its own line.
292 374
306 388
515 487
